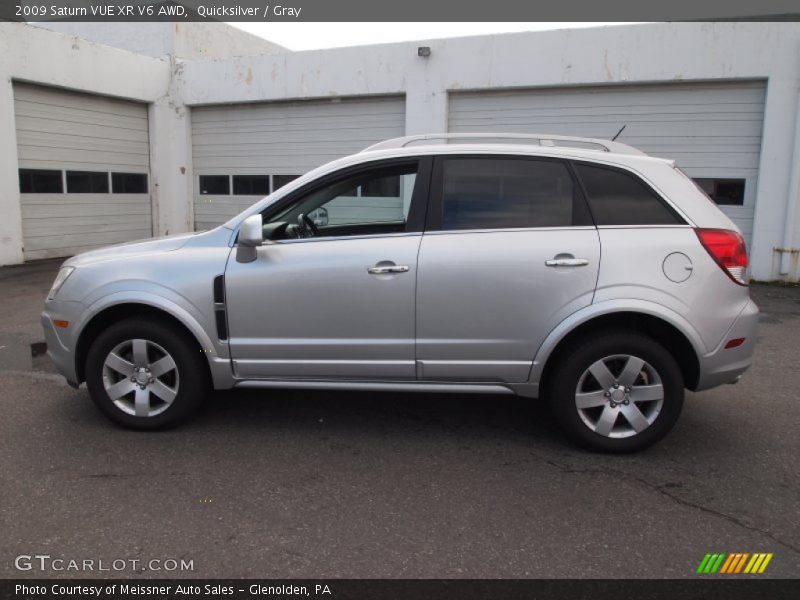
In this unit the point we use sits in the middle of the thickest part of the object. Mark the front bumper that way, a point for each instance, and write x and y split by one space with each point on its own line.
60 346
725 365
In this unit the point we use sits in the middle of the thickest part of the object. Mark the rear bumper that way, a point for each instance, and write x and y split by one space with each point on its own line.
725 365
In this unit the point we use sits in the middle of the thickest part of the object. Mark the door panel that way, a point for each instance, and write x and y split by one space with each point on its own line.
486 299
310 309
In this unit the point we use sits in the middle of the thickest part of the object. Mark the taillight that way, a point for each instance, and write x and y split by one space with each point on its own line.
728 251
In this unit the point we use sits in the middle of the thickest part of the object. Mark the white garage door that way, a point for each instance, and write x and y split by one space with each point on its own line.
242 152
712 130
84 170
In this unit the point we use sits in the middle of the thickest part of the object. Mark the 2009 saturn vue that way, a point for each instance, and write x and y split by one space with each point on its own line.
577 270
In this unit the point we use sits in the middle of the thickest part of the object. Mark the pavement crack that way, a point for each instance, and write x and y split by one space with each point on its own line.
662 490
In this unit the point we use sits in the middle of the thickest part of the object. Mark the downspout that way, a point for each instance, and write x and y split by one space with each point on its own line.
792 200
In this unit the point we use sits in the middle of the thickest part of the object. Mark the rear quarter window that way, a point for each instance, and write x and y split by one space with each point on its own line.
619 198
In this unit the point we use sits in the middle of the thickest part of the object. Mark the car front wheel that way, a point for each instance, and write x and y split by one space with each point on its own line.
616 392
146 374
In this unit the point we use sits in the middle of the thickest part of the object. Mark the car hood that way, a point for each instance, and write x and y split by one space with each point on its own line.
135 248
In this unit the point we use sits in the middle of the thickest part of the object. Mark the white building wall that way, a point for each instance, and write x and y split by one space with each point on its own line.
190 41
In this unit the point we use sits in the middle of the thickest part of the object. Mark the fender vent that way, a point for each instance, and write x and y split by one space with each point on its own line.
219 289
219 307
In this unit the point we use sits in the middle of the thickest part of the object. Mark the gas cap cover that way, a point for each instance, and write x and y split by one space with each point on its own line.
677 267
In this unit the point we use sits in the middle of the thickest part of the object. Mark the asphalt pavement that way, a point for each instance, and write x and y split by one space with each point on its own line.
285 484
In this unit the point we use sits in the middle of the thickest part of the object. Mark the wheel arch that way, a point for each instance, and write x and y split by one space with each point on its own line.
115 311
673 332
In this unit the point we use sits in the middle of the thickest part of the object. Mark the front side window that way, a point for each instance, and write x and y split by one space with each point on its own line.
371 202
495 193
620 198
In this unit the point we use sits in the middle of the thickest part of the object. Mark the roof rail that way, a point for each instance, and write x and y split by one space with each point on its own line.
561 141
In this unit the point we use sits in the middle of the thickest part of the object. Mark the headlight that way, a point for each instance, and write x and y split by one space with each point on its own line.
63 273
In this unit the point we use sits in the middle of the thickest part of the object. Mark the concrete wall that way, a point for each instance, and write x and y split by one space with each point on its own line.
189 41
663 52
195 41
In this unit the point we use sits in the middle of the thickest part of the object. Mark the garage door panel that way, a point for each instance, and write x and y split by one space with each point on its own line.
282 165
36 130
61 98
46 214
300 138
667 112
63 130
40 236
709 160
69 245
711 130
87 160
99 159
282 138
87 225
308 109
668 94
42 118
646 127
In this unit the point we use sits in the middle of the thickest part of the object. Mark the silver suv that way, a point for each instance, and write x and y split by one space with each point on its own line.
578 270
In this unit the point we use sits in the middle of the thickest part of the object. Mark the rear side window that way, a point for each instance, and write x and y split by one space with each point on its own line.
619 198
496 193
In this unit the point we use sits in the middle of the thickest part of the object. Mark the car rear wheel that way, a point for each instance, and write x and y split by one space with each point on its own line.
616 392
146 374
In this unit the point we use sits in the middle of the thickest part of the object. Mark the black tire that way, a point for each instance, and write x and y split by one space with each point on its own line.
568 373
190 370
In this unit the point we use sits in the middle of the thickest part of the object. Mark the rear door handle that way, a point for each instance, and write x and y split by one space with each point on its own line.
567 262
386 269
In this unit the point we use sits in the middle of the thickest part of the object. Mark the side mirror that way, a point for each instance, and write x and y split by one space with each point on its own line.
251 236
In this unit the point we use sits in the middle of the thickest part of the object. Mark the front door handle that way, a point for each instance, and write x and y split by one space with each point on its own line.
564 261
386 269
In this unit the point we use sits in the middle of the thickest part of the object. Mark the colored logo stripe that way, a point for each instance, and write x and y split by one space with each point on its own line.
734 563
711 562
758 563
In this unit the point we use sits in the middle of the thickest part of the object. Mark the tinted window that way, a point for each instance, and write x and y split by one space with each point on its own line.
129 183
618 198
278 181
251 185
36 181
215 184
490 193
87 182
729 192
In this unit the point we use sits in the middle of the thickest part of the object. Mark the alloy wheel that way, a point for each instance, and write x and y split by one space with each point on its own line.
619 396
140 377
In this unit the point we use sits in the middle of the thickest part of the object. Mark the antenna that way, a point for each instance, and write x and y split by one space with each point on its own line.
614 139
